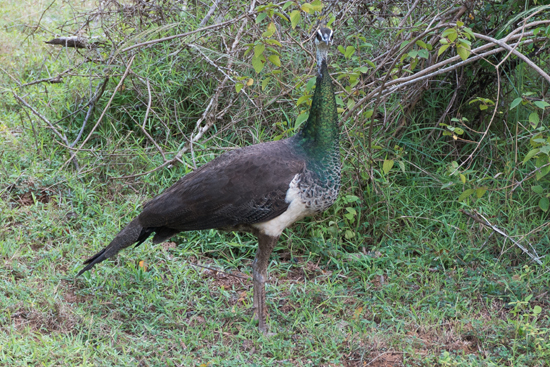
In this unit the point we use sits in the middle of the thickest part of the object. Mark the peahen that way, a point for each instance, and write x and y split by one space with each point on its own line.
261 189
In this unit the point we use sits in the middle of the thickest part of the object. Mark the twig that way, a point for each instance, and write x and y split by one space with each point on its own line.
475 216
39 21
209 14
402 23
152 42
534 172
515 52
61 136
91 107
212 105
145 120
220 271
220 70
54 80
105 109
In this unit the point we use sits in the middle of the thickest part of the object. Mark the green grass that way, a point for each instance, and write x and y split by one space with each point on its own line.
421 288
394 274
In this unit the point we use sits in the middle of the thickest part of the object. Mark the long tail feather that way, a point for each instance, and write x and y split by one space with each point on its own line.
130 234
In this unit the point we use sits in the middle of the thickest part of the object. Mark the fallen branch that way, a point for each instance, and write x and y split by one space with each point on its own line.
75 41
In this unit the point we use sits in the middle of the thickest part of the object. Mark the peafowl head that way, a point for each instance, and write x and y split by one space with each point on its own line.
323 41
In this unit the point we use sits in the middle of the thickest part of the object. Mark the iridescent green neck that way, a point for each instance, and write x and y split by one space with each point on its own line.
319 135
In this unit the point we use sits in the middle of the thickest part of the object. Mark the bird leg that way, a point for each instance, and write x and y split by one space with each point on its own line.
259 266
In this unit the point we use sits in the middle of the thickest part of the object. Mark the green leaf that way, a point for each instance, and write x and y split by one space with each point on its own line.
310 84
387 166
301 118
258 63
371 64
541 104
459 23
342 49
452 36
332 19
465 43
260 17
537 309
352 198
480 191
368 113
534 119
317 5
537 189
462 178
295 17
421 44
271 29
516 102
442 49
469 32
531 154
448 32
349 234
238 87
463 52
465 194
402 166
542 172
350 50
264 83
307 7
458 131
483 107
282 16
544 204
275 60
287 4
302 99
423 54
259 49
273 42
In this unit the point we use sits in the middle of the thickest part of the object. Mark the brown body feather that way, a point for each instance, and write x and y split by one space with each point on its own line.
238 188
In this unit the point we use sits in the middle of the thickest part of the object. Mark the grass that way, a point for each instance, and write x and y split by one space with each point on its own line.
402 279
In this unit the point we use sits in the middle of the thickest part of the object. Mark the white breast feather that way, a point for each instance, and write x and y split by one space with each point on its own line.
295 211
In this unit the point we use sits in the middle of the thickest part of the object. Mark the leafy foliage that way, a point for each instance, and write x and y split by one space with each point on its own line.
434 121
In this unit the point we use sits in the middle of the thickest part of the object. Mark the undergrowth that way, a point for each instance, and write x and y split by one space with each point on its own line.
397 272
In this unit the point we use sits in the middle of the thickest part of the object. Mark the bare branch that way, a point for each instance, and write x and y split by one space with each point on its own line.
476 216
214 26
105 109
